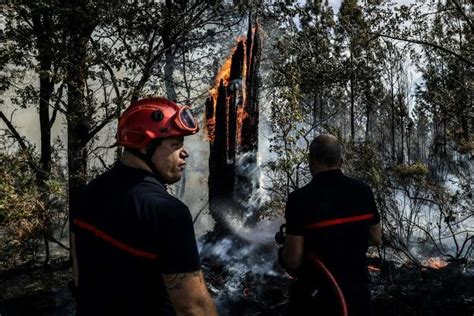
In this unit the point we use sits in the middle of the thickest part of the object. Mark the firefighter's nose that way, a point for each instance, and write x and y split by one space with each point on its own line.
184 153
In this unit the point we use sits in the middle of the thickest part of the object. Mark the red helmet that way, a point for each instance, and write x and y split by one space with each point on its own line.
152 118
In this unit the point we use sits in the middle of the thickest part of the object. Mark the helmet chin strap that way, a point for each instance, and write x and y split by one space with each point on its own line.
146 157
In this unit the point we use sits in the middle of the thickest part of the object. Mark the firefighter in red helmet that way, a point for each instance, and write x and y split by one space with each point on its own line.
135 251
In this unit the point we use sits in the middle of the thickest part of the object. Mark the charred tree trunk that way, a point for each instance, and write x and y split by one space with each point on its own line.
234 91
232 117
225 130
221 178
220 171
248 173
252 83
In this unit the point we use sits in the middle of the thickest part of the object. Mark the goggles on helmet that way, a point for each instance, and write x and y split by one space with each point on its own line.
153 118
185 120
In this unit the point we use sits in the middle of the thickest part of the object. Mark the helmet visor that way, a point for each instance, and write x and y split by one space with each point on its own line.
187 119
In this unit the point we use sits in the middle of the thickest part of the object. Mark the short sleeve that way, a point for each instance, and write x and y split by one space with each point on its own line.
373 208
178 251
293 216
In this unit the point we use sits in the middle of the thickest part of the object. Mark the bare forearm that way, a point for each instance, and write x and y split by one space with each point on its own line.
293 251
189 294
291 261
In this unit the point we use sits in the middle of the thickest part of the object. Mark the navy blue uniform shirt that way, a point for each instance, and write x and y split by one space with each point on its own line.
333 213
129 232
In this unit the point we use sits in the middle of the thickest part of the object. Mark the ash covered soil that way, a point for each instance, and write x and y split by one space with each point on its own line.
397 290
36 289
408 290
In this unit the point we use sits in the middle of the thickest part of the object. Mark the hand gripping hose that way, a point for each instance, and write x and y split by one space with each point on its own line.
321 267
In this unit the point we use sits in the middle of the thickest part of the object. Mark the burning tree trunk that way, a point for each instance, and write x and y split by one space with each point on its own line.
221 171
250 121
248 175
232 116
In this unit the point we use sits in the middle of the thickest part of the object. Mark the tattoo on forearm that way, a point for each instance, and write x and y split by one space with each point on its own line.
175 281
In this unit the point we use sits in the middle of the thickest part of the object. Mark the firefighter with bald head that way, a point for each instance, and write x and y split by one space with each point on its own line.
134 246
329 224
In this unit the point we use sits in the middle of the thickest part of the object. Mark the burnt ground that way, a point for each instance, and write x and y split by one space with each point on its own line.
400 291
407 290
35 289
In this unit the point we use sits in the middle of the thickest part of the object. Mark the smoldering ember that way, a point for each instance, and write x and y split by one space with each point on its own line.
392 80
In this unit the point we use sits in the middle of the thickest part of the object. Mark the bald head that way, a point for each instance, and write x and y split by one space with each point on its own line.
325 151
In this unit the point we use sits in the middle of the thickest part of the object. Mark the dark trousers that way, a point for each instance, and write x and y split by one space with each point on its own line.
321 300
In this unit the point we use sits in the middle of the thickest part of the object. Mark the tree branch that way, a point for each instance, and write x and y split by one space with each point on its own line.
109 69
56 107
100 126
425 43
20 141
461 11
13 130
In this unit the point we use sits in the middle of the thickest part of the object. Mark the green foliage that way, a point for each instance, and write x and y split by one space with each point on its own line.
350 77
363 160
22 211
466 146
410 171
344 73
29 212
300 79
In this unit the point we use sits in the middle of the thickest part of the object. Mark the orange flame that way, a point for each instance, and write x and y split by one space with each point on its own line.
241 115
224 76
372 268
209 132
434 263
224 72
